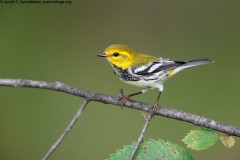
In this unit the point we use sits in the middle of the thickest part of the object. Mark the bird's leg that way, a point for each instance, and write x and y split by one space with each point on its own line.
155 106
124 99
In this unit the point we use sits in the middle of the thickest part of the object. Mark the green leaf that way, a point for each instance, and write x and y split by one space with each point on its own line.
200 139
152 150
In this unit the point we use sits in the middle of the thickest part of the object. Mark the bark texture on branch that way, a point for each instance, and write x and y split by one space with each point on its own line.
93 96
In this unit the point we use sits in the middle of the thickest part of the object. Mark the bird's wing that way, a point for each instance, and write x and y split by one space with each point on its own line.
156 66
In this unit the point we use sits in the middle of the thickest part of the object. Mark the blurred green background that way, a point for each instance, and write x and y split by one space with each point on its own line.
60 43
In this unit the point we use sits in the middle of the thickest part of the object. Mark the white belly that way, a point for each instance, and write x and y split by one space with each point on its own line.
146 84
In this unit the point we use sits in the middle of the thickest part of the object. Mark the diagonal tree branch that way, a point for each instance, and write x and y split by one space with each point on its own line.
66 131
148 120
92 96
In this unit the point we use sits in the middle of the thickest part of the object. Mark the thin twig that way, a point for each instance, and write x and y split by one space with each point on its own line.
66 131
147 122
161 111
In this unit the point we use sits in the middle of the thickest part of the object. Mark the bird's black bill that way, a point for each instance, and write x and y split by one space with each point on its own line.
102 55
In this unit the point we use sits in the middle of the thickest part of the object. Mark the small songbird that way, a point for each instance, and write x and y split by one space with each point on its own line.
142 70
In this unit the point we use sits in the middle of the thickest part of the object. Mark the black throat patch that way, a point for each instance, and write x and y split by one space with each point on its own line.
124 74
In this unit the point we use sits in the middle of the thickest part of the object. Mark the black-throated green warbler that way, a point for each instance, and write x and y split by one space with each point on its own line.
143 70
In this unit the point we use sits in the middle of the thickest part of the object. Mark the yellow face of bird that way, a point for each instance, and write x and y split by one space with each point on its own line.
119 55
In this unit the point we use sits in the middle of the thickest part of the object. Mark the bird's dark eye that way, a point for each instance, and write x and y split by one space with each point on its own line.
116 54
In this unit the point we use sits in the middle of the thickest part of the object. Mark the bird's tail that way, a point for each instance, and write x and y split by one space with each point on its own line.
197 62
192 63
